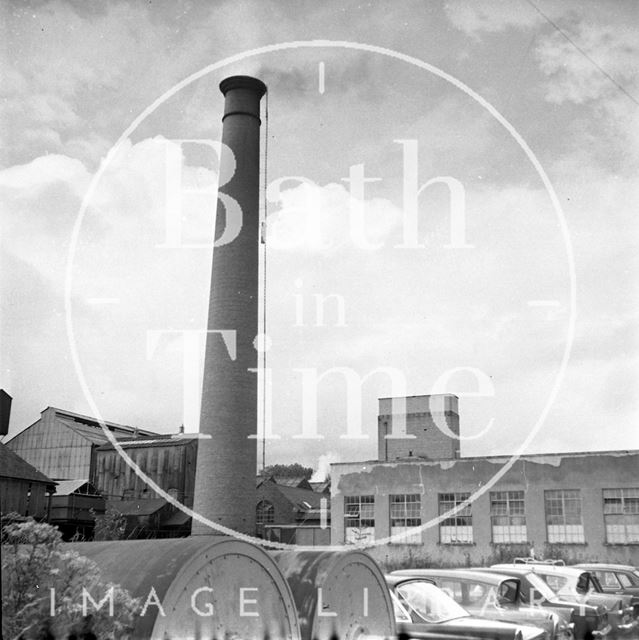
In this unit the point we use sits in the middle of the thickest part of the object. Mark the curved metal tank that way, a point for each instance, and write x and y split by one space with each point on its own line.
242 591
339 594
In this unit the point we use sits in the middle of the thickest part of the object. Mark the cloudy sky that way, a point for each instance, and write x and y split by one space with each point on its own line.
522 304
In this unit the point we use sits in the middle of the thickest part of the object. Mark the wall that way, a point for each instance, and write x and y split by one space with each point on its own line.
427 418
13 497
533 475
171 466
53 448
283 509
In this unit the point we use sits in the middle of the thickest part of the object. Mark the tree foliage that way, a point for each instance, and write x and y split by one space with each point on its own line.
42 589
111 525
294 470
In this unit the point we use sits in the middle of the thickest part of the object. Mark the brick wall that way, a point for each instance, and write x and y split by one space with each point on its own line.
432 421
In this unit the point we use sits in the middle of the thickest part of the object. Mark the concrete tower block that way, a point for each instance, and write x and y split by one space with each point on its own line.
226 464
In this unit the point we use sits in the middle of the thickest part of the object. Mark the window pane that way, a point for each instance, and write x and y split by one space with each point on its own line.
359 519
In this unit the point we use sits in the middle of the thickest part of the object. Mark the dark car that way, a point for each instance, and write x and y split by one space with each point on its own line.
617 578
497 597
422 610
589 620
581 588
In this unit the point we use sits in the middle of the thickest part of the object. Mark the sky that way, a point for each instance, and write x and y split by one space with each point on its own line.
509 279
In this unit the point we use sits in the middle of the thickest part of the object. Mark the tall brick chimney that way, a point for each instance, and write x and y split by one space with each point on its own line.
225 489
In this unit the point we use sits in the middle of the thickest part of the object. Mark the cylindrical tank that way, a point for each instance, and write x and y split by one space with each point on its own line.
226 462
207 587
338 594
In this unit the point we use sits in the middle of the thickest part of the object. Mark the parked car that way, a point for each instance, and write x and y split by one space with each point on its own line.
422 611
527 560
581 587
589 620
617 578
497 597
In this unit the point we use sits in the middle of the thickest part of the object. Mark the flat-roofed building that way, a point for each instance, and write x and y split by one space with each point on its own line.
454 510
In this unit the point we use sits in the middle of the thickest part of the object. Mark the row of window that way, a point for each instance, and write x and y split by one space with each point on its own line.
507 515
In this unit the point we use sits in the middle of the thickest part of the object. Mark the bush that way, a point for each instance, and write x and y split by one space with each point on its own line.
45 589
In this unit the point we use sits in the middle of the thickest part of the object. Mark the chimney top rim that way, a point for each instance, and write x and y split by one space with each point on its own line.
243 82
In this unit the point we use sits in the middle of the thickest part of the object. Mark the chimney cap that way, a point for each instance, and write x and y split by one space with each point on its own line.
243 82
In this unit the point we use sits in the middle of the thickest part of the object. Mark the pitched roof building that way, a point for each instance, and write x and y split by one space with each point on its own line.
23 489
61 444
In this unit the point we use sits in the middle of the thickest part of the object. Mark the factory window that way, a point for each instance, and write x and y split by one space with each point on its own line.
359 519
621 515
507 516
563 516
405 518
264 512
458 529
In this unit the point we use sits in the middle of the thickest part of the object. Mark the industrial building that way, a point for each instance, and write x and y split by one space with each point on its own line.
167 460
62 444
449 510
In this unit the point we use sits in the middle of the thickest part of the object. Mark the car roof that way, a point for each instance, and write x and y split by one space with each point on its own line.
461 574
541 568
593 566
394 579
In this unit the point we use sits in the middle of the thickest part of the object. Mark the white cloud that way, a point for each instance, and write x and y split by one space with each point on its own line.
327 218
26 180
574 76
490 15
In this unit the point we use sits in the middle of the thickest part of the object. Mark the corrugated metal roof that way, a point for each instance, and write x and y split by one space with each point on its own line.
143 507
93 434
93 423
67 487
168 441
13 466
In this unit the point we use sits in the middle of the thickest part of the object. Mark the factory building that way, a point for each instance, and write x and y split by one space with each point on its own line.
450 510
169 461
62 444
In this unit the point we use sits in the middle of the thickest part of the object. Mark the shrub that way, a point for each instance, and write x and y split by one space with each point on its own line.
44 587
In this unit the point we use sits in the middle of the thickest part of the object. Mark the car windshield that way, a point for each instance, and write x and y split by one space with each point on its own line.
569 585
427 603
635 575
536 589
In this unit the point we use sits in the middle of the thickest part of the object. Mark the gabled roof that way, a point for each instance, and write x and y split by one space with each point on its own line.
321 487
294 481
13 466
158 441
120 429
67 487
303 499
261 479
90 428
